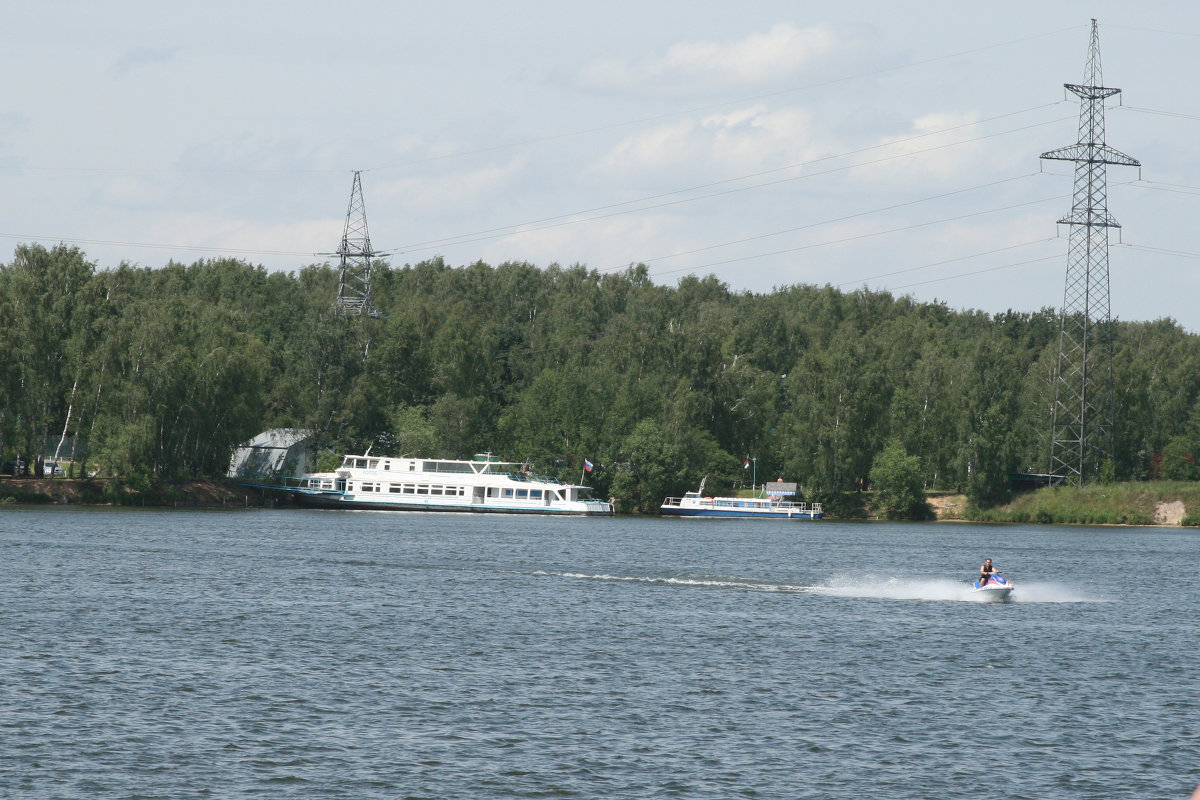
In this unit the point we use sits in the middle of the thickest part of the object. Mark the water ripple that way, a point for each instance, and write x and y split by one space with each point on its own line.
284 654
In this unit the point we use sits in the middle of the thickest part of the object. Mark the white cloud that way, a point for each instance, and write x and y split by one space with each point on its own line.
781 51
613 244
205 230
140 57
725 145
443 192
938 145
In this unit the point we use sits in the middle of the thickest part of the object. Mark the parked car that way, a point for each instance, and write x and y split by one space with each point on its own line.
16 467
51 468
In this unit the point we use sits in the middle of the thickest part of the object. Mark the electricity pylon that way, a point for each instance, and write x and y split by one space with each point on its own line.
354 287
1082 416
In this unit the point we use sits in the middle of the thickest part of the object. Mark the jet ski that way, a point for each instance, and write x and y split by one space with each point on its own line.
995 590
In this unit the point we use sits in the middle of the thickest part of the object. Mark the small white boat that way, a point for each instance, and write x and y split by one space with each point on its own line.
773 506
996 590
485 484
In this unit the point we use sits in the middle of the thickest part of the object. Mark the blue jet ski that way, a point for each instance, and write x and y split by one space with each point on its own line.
995 590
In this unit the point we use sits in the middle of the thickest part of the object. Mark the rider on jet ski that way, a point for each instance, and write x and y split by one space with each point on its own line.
986 571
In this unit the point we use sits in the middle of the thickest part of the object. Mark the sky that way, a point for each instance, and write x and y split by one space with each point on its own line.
891 146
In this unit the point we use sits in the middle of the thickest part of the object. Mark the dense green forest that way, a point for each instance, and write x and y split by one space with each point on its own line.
161 372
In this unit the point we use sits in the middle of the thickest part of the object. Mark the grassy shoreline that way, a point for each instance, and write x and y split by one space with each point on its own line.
1170 503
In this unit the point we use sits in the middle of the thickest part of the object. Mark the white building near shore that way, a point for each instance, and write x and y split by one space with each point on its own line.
277 452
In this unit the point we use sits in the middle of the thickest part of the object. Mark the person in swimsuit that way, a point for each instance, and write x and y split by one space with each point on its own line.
986 571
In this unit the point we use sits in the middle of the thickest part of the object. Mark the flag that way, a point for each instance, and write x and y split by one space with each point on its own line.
746 465
587 465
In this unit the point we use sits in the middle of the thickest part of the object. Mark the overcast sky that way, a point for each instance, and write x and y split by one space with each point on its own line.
880 144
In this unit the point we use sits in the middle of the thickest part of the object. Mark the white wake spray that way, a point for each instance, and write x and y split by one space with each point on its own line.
947 590
861 586
716 582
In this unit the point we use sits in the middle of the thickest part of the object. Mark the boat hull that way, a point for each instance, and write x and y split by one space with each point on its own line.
996 590
336 500
677 511
993 594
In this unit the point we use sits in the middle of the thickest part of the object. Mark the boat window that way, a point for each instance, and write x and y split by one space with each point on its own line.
395 488
435 489
409 489
535 494
493 491
522 494
508 492
422 488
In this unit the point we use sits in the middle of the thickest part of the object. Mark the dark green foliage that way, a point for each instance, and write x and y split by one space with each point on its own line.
898 485
161 372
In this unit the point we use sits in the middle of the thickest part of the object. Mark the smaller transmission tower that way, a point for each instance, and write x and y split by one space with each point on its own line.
354 287
1082 416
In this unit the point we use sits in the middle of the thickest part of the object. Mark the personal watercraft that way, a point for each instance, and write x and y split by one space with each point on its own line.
994 590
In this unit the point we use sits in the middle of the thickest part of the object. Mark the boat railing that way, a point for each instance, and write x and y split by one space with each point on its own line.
746 502
530 477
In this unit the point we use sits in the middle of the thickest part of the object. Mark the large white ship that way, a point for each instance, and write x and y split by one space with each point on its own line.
484 484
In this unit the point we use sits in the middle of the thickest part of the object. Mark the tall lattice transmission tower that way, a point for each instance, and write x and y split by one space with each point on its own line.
354 287
1082 415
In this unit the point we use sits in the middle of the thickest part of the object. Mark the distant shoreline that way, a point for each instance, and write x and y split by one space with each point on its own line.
206 493
1142 504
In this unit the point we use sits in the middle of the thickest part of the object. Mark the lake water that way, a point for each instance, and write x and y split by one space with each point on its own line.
325 654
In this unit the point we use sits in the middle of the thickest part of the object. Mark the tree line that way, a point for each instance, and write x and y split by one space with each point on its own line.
161 372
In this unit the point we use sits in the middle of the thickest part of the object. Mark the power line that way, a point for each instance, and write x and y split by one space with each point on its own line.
1176 114
1175 188
505 229
566 219
519 230
1160 250
954 261
726 103
978 272
558 136
1154 30
857 237
845 218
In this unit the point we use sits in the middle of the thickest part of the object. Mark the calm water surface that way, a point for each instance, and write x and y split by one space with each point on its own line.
375 655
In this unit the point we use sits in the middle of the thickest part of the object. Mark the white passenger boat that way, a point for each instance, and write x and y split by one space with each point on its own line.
423 484
772 506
